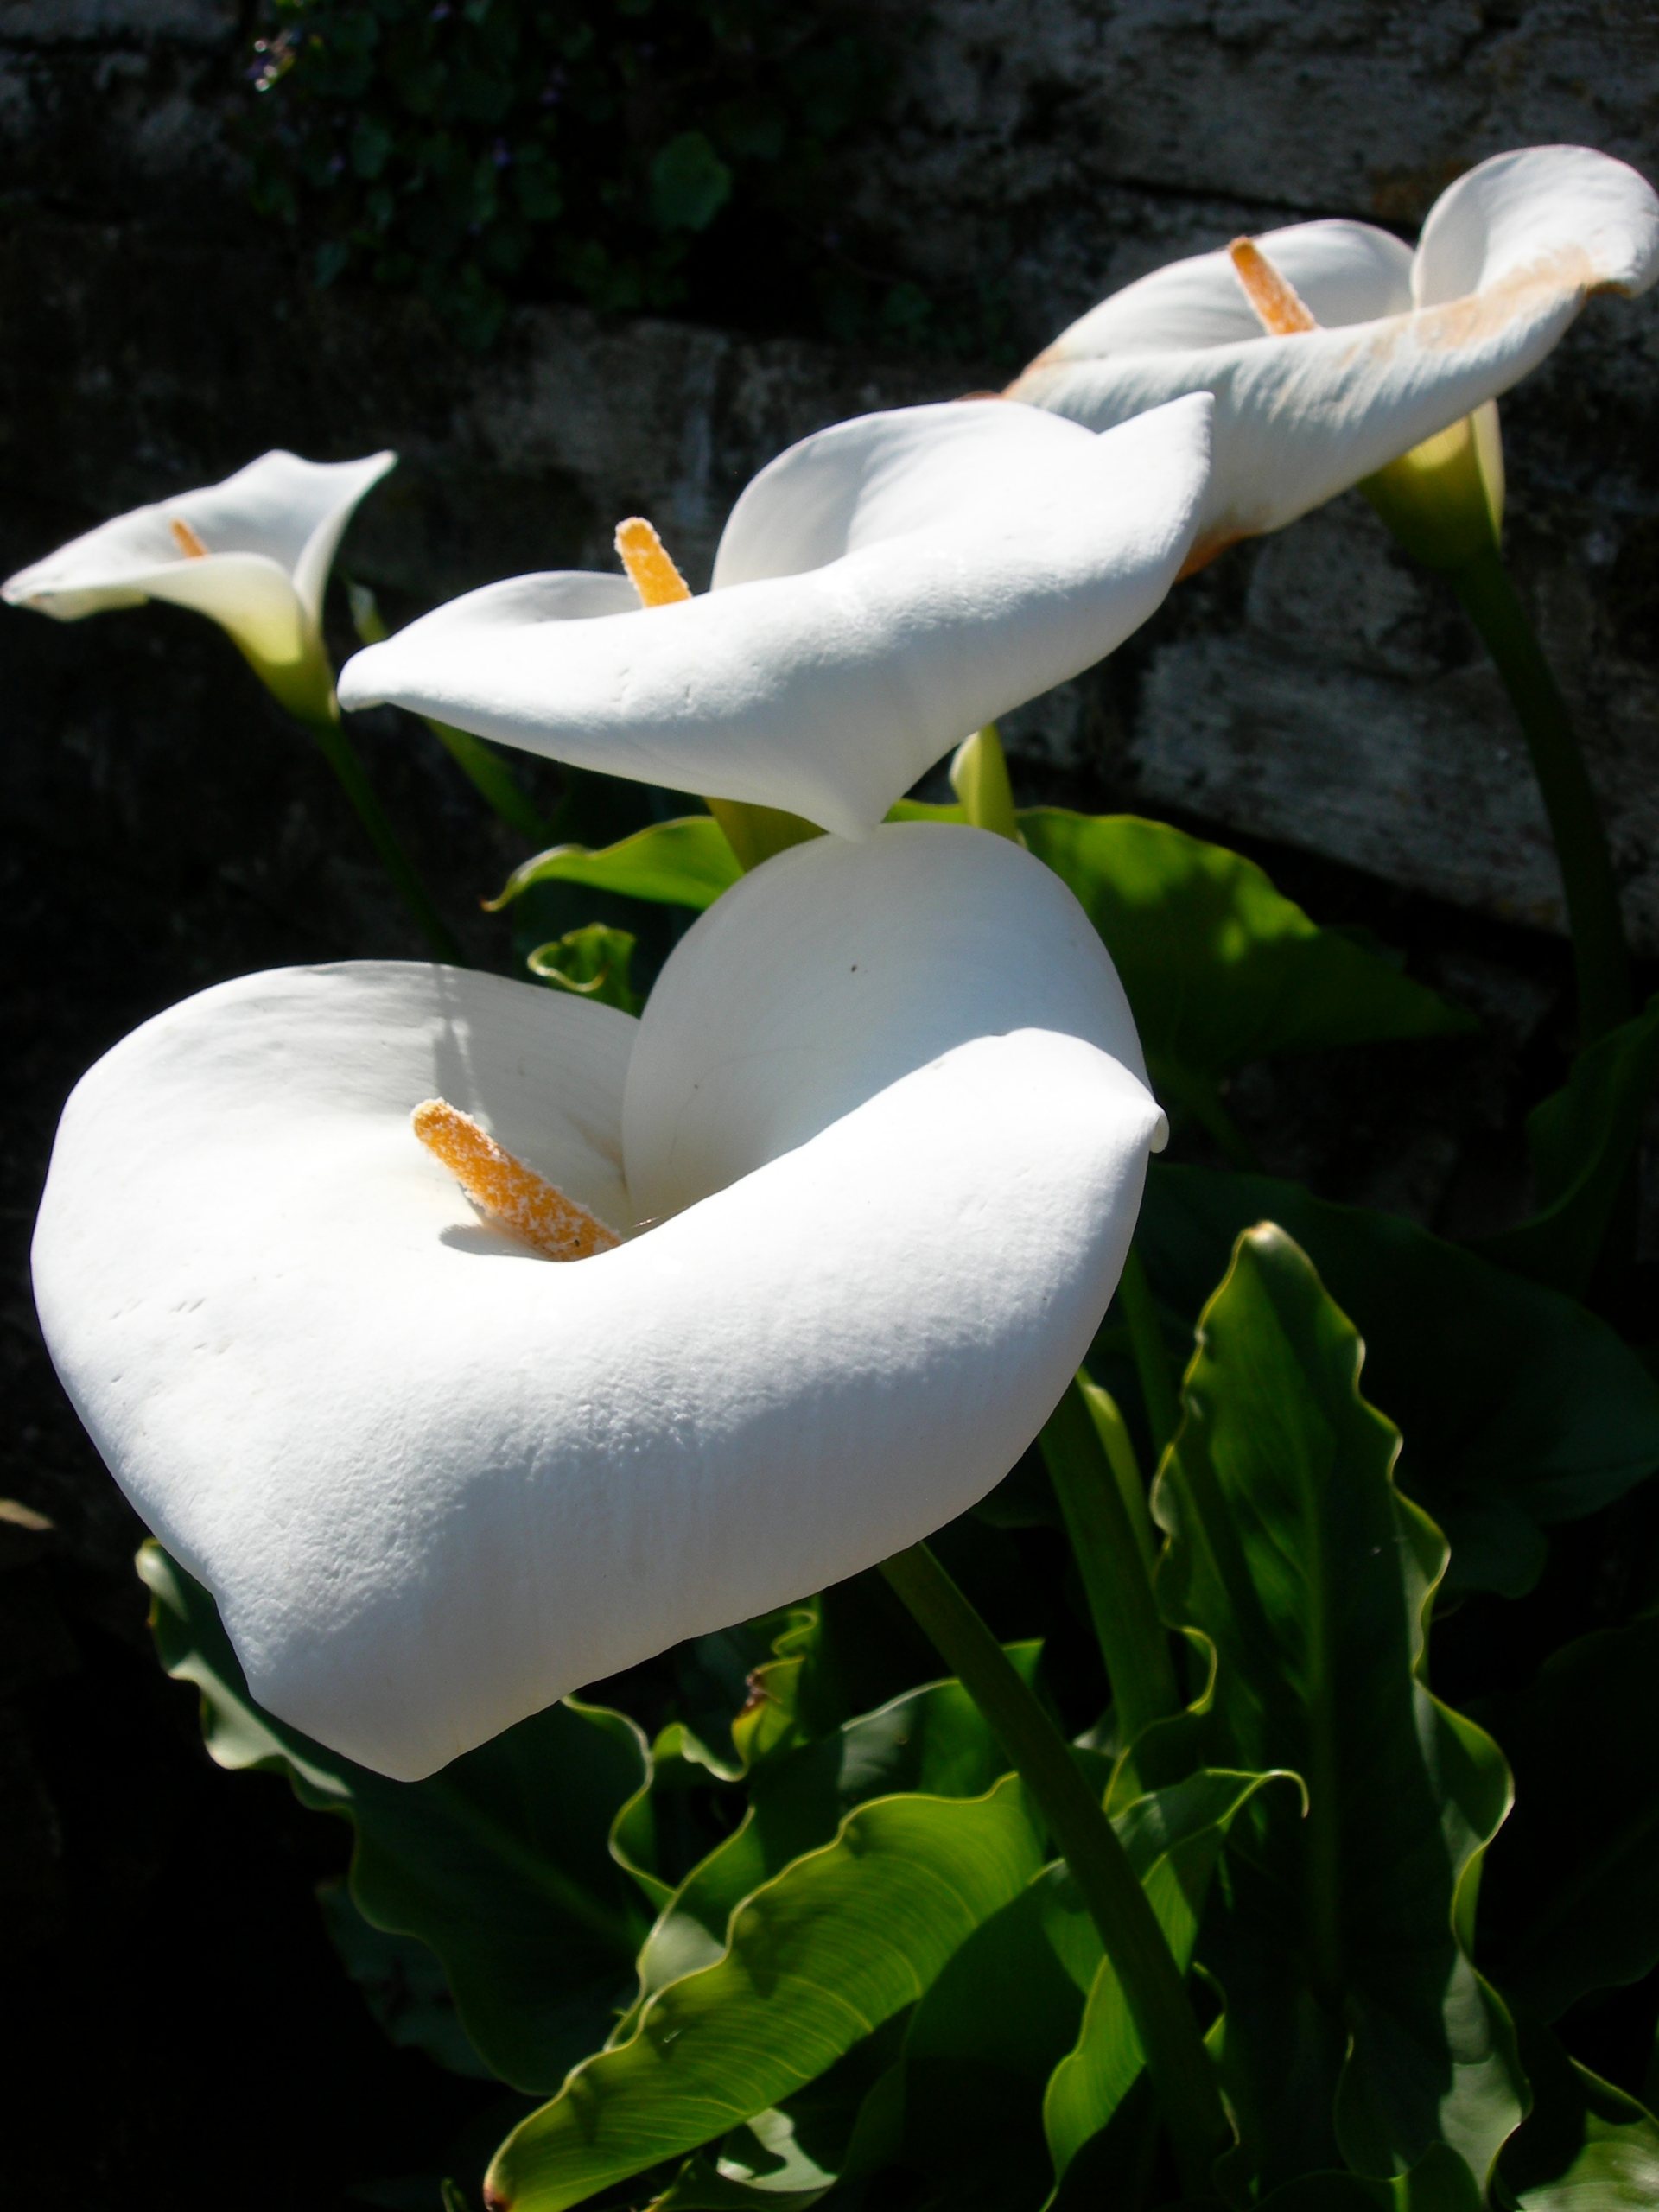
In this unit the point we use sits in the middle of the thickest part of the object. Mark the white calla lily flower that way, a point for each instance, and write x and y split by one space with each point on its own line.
873 1153
1332 349
879 589
253 553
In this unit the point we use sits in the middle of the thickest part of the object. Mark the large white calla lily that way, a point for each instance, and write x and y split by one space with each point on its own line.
881 589
1332 349
874 1152
253 552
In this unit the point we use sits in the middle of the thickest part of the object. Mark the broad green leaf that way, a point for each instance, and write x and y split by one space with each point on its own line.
1582 1141
1342 1937
1439 2182
1586 2145
684 863
817 1959
1220 968
593 962
1573 1880
499 1864
1519 1409
933 1741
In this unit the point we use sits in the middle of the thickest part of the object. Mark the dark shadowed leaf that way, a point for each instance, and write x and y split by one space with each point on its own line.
1518 1408
1358 2033
1575 1878
1582 1141
1586 2146
500 1863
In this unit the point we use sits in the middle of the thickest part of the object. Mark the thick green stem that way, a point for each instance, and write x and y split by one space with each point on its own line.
1119 1447
1600 951
1183 2077
1114 1579
755 833
1150 1353
495 782
979 777
341 755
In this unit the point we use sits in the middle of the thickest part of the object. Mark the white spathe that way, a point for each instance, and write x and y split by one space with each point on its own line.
268 536
879 589
885 1122
1409 343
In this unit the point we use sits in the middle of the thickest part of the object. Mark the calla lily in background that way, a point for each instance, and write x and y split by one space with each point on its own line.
1332 349
879 589
852 1197
253 553
1338 356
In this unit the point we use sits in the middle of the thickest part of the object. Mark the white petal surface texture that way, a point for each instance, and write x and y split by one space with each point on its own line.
881 589
267 537
435 1482
1409 344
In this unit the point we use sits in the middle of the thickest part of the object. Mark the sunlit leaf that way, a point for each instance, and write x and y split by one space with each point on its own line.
817 1960
1359 2033
684 863
500 1863
1586 2146
593 962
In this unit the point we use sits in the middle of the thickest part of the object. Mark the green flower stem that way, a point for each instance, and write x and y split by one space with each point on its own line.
495 782
1150 1353
341 755
755 833
1182 2075
1600 954
979 777
1114 1570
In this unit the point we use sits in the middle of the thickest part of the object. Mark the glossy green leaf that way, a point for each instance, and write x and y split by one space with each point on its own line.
1519 1409
1361 2033
1439 2181
682 863
1586 2145
1219 966
593 962
1573 1881
933 1741
1582 1141
500 1863
817 1959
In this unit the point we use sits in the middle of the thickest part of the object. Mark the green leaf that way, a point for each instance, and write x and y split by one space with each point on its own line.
817 1959
1519 1408
499 1864
1586 2146
1582 1141
1343 1940
682 863
1220 968
1572 1881
933 1741
1439 2182
690 184
403 1985
593 962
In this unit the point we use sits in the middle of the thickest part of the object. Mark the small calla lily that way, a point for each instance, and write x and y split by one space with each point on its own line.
853 1196
1334 349
879 589
253 553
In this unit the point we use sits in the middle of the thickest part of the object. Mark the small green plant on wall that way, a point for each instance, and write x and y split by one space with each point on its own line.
634 156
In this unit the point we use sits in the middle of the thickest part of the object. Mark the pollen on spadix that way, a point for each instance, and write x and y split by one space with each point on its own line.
1279 305
506 1193
651 571
186 539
